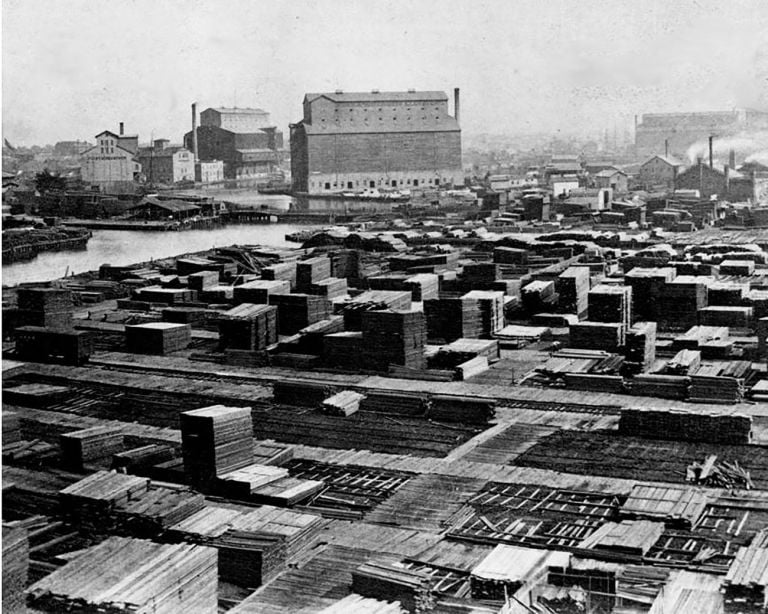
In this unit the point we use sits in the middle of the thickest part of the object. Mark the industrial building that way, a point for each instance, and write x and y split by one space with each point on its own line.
364 140
112 163
242 139
163 163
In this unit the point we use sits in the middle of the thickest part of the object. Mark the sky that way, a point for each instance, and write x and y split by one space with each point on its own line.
71 68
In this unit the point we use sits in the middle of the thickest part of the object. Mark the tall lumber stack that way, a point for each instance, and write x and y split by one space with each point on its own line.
733 317
248 327
312 271
388 581
572 287
641 347
15 568
727 293
449 319
491 307
716 389
259 290
46 307
510 255
611 304
539 296
142 577
608 336
680 302
297 311
331 288
157 337
249 559
423 286
36 343
745 586
154 511
393 337
480 272
203 280
94 500
372 300
343 350
685 425
283 271
647 287
166 296
215 440
90 445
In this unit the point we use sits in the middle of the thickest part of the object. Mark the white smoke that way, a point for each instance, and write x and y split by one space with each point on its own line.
749 146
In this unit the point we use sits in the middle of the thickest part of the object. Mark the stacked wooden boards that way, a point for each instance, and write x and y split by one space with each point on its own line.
608 336
572 287
393 337
157 337
89 445
387 580
686 426
297 311
343 350
248 326
491 307
215 440
344 403
258 291
648 285
15 568
144 577
45 307
641 346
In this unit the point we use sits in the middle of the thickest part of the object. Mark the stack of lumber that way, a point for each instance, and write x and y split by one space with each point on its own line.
685 362
388 580
466 410
707 388
343 350
647 287
730 293
11 426
680 302
312 336
259 290
249 560
572 287
505 570
594 383
284 271
686 426
93 500
471 368
608 336
202 280
697 336
143 577
90 445
193 264
352 604
632 537
15 568
413 261
215 440
737 267
641 346
610 304
139 461
491 307
41 344
539 296
197 317
722 474
35 395
423 286
203 526
302 394
287 491
157 337
370 300
664 386
270 453
477 272
510 255
239 484
393 337
676 506
344 403
331 288
312 271
449 319
166 296
46 307
396 403
297 311
746 583
640 583
489 348
296 528
248 326
218 294
156 510
733 317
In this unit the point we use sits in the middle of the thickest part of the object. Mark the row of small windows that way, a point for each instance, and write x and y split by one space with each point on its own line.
365 109
350 185
381 119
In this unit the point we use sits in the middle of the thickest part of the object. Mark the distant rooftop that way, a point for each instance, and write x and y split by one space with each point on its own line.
376 96
231 110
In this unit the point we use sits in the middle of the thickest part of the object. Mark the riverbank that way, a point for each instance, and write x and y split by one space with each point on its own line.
26 244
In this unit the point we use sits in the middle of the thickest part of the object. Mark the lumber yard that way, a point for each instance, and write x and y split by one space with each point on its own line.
432 418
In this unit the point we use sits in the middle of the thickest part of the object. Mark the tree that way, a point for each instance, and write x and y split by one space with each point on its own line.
48 182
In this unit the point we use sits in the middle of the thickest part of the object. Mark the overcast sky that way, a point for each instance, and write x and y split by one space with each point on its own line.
74 67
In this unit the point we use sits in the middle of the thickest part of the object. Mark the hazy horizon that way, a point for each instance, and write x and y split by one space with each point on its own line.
72 68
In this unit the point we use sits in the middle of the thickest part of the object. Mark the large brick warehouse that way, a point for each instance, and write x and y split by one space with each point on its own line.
353 141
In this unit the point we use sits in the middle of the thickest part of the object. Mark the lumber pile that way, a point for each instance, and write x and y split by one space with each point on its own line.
297 311
203 526
312 336
727 293
93 500
312 271
15 568
572 288
393 337
143 577
423 286
296 528
719 474
745 586
11 426
301 394
648 285
743 268
258 291
479 272
539 296
640 583
595 383
685 362
716 389
157 509
676 506
446 319
44 307
396 403
510 255
283 271
504 571
249 560
632 537
331 288
489 348
686 426
387 580
215 440
202 280
471 368
607 336
90 445
732 317
287 491
157 337
466 410
166 296
610 304
697 336
680 302
343 350
38 344
640 349
35 395
664 386
491 307
344 403
140 460
371 300
239 484
248 326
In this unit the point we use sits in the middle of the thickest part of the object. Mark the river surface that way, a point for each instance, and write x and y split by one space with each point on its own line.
120 247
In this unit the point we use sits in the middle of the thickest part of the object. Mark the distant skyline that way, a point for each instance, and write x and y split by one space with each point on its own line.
71 68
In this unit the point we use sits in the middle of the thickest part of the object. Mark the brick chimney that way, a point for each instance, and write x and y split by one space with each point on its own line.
122 128
456 104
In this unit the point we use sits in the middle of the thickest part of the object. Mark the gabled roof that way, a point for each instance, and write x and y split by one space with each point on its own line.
173 206
610 172
378 96
237 110
671 160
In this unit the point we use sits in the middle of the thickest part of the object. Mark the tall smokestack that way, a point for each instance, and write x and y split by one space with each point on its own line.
732 158
194 130
666 148
456 104
122 128
711 157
